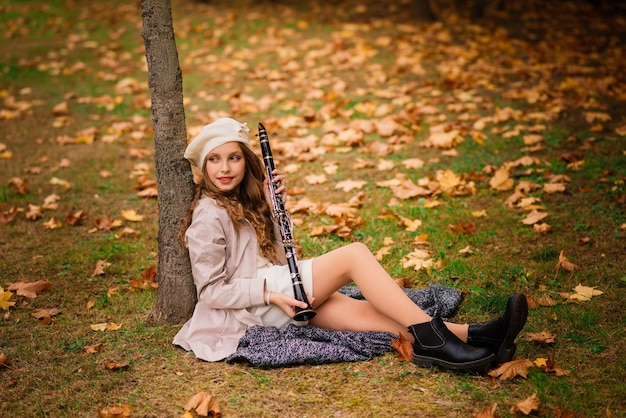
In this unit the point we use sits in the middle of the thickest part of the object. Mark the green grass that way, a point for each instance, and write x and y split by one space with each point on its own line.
52 375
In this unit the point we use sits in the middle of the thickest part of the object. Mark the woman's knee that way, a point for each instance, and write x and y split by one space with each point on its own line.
358 251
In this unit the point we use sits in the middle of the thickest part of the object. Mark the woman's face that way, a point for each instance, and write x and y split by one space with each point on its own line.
226 166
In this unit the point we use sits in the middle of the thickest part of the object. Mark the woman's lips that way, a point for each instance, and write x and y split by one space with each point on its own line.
225 180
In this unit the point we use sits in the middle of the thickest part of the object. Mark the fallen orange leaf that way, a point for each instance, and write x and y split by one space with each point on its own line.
487 413
543 337
510 369
204 403
29 289
44 313
117 366
94 348
119 411
403 347
100 266
565 263
527 406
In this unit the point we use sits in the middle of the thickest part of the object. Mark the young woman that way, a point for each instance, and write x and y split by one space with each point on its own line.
242 279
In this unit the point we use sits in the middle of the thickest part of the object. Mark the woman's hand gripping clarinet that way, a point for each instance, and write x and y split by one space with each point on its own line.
286 229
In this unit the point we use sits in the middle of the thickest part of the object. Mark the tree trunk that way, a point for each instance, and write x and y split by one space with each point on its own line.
423 11
176 295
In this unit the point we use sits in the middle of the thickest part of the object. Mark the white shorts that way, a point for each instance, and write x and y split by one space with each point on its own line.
278 280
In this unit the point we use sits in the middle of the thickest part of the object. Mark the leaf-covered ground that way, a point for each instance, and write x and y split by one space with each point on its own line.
488 156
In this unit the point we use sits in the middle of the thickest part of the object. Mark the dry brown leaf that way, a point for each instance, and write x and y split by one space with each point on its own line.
591 117
348 185
75 217
551 367
112 291
411 225
418 259
534 217
542 228
413 163
129 232
357 200
99 327
100 266
315 179
431 203
139 152
34 212
448 181
582 293
466 251
52 223
543 300
50 202
543 337
319 230
8 215
565 264
94 348
442 137
204 403
487 413
29 289
403 347
86 136
551 188
340 209
4 361
510 369
43 313
106 223
18 184
118 411
501 180
122 365
421 239
527 406
148 192
60 182
132 216
407 189
404 282
463 228
105 326
532 139
60 109
383 251
148 280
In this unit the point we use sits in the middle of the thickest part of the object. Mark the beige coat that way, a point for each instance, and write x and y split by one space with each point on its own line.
223 264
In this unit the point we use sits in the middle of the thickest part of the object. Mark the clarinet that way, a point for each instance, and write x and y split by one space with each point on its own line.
286 230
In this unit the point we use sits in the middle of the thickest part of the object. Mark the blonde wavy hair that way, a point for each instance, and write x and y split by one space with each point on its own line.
247 202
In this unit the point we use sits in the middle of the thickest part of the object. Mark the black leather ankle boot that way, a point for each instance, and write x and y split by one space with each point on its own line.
436 345
499 334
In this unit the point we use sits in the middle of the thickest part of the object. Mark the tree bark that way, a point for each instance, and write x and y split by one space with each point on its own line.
423 11
176 295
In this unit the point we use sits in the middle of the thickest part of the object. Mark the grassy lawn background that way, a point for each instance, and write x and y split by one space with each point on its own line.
353 95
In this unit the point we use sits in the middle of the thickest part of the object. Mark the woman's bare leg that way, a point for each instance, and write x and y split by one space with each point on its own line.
387 307
349 314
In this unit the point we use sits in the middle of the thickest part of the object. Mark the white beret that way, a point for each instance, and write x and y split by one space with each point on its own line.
213 135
